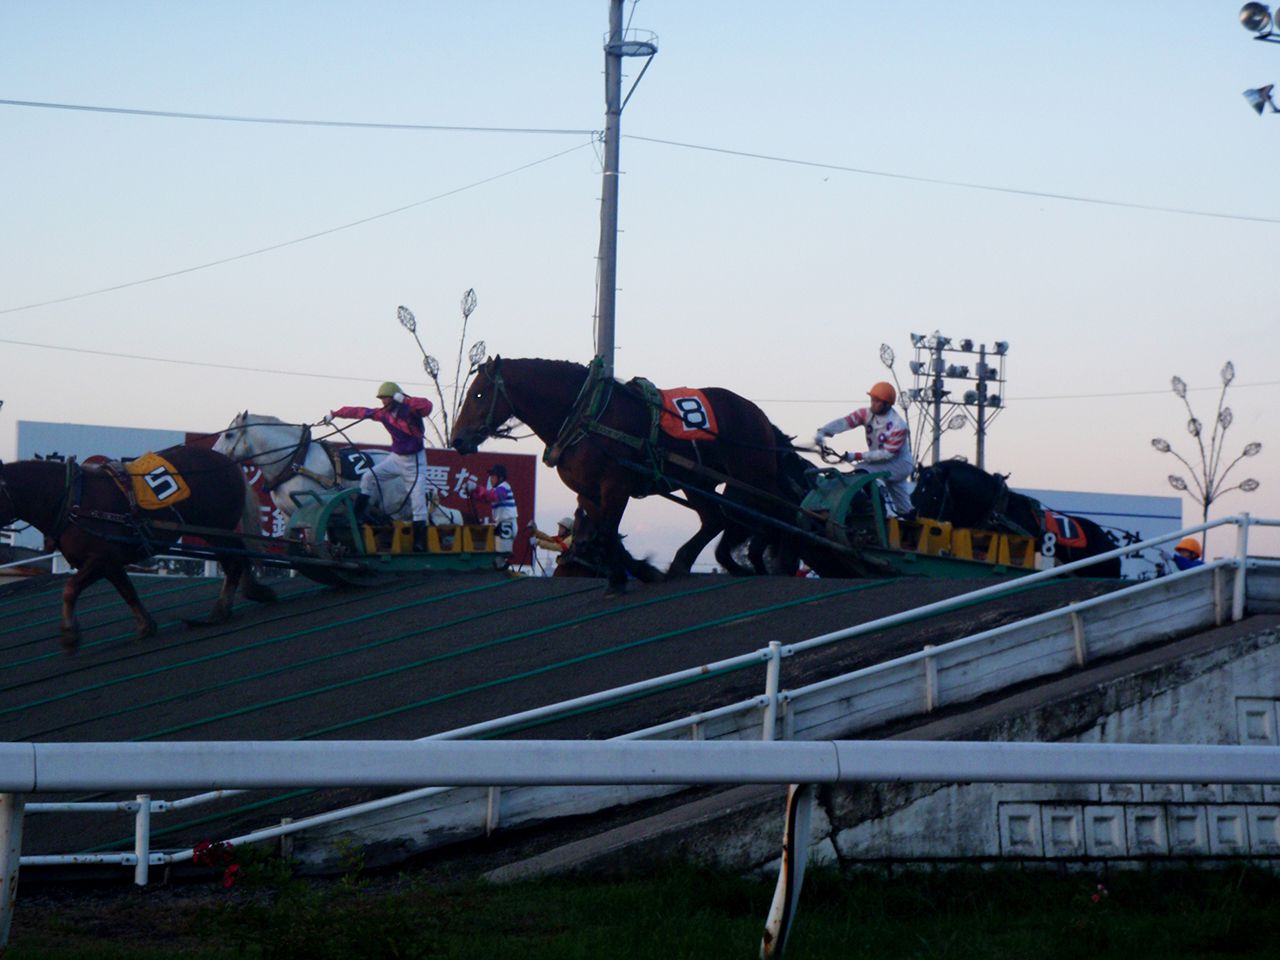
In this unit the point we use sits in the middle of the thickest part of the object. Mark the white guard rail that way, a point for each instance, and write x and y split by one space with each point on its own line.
912 684
54 767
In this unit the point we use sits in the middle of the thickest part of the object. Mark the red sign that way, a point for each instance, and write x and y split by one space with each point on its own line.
448 473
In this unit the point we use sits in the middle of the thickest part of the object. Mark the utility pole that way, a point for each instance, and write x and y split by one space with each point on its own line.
619 43
607 268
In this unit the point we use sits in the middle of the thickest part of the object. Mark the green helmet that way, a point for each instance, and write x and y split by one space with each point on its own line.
389 389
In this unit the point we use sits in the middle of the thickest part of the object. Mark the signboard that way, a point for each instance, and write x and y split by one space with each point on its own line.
447 471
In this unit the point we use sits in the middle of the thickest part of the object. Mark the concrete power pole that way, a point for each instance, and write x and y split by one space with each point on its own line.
620 43
607 267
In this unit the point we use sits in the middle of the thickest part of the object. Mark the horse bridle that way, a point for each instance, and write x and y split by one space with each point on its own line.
289 460
499 390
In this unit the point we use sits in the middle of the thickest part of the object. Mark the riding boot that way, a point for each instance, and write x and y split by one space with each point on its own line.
361 508
419 536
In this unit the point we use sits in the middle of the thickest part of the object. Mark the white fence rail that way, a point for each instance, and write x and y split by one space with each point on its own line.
840 706
217 765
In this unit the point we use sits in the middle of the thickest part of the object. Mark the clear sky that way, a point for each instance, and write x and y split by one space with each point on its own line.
1094 122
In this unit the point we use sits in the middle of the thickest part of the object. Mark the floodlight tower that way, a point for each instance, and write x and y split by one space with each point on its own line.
933 372
618 43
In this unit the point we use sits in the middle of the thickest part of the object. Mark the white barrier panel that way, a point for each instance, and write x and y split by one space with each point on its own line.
54 767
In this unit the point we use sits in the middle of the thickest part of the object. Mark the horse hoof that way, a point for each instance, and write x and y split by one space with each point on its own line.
150 630
259 593
70 641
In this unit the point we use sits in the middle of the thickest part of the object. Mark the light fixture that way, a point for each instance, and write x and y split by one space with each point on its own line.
971 397
994 400
966 345
1260 99
958 372
1002 347
918 339
918 367
1256 18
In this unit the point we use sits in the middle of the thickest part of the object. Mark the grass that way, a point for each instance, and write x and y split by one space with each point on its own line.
675 913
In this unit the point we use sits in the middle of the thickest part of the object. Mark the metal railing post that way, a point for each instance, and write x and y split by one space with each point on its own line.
1242 562
930 681
11 805
771 682
142 840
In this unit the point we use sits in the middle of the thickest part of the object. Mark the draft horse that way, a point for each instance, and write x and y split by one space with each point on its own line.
960 493
603 438
93 516
291 462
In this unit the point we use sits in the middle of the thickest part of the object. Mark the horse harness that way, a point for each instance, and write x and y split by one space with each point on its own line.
294 464
583 420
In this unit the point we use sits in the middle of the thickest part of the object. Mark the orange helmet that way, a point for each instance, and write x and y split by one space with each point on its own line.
1191 545
884 391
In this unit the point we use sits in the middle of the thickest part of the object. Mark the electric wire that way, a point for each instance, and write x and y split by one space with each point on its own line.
288 121
296 240
963 184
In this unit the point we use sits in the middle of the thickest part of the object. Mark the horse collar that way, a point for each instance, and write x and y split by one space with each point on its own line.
293 466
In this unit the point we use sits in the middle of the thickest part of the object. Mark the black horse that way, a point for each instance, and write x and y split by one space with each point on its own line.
964 495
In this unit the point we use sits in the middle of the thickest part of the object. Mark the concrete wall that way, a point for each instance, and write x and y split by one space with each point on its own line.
1228 694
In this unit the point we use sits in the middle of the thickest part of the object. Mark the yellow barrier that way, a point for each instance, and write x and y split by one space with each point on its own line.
444 539
477 538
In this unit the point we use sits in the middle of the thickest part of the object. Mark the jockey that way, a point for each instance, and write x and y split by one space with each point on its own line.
403 417
502 500
888 444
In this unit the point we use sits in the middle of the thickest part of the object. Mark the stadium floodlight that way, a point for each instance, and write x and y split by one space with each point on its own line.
1260 99
1256 18
1002 347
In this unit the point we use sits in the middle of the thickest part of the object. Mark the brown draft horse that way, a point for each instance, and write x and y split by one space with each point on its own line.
600 437
87 515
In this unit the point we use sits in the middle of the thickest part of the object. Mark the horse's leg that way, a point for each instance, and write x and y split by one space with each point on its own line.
88 573
734 535
711 523
124 586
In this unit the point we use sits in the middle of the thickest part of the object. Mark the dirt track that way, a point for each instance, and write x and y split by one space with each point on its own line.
420 656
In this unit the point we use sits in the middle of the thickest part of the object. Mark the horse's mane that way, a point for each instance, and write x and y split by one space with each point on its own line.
563 366
263 419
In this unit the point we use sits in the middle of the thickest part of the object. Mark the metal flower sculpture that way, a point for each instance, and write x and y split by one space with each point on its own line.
1209 477
448 411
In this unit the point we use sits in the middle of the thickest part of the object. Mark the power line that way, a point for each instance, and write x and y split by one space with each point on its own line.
289 121
761 400
287 243
936 181
189 363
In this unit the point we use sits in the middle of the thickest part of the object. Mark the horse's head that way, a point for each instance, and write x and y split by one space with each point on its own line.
231 439
956 491
930 492
486 408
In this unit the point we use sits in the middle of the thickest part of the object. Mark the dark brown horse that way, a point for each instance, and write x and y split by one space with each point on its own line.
100 528
603 438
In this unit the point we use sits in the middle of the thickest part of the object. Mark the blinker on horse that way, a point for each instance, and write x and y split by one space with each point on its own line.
603 438
95 517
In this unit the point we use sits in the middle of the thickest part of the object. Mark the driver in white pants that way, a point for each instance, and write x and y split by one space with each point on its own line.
403 417
888 444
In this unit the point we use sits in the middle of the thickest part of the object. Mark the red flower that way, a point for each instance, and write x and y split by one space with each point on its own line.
231 875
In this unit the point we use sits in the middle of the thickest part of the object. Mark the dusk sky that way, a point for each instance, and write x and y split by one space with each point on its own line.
801 183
